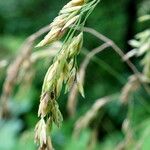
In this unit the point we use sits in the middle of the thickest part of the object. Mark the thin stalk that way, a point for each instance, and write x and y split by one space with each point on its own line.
120 53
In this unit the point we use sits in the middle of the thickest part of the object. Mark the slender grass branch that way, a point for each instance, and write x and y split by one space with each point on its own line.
119 52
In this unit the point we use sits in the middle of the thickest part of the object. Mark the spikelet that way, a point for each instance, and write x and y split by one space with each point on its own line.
56 114
68 15
71 80
52 36
43 107
70 22
76 45
59 21
41 137
80 86
59 85
74 3
40 133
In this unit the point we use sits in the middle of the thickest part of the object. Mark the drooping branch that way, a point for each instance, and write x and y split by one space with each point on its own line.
120 53
14 67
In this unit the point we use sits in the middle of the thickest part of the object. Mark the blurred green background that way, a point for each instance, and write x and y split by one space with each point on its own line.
106 75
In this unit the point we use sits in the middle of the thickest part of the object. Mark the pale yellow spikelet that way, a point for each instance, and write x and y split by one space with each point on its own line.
80 86
68 5
70 22
74 3
43 134
48 80
70 9
59 21
71 63
71 79
43 107
71 15
52 71
66 72
52 36
56 114
80 41
40 133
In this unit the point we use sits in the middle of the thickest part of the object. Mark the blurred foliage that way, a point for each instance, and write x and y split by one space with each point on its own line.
106 74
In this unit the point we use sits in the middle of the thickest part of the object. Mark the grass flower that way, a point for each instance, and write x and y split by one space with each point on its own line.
63 70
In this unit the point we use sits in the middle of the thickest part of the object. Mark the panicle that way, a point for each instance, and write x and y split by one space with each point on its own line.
62 71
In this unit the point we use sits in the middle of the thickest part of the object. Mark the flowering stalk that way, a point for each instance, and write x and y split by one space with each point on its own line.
64 67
